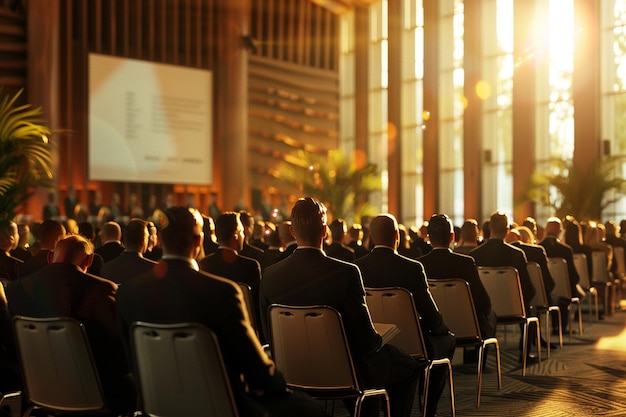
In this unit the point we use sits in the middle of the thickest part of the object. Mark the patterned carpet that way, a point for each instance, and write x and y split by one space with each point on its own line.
587 377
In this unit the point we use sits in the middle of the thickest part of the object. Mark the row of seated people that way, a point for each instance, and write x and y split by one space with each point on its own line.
321 280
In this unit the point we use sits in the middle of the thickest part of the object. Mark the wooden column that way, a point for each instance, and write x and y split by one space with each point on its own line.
472 117
394 118
43 21
231 86
361 84
524 137
431 105
586 84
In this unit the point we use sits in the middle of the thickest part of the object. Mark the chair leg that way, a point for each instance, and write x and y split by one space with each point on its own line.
425 393
559 324
451 380
548 332
481 364
580 319
524 348
13 401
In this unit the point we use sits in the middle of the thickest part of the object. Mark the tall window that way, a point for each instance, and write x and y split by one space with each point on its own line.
451 106
496 91
555 107
613 81
412 112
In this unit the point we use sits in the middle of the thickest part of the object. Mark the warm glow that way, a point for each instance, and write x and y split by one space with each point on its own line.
483 90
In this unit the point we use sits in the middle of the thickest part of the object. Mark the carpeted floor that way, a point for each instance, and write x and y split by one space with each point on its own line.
586 377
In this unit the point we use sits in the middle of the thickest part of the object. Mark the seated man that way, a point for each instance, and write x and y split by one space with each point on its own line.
175 291
409 274
226 260
62 288
9 238
309 277
442 263
111 241
130 262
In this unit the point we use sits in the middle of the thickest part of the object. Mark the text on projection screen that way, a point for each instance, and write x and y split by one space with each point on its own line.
149 122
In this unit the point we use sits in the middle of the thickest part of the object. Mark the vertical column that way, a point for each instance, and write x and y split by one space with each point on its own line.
394 159
361 84
472 117
231 85
43 21
431 105
524 132
586 84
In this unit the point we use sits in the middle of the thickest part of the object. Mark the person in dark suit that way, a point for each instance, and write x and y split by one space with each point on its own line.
557 249
408 273
337 249
309 277
154 251
87 230
70 202
273 253
354 239
176 291
496 252
111 241
287 240
51 209
249 250
63 288
209 244
9 265
130 262
47 234
226 260
441 263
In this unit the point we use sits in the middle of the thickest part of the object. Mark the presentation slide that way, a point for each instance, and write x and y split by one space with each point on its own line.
149 122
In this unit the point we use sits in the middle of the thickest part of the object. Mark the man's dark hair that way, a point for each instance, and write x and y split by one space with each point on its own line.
308 219
439 229
338 228
180 229
226 226
134 233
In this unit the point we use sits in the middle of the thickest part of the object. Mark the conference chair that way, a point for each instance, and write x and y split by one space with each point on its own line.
58 370
580 262
454 300
180 371
503 286
562 289
12 403
600 275
310 347
541 304
396 305
620 274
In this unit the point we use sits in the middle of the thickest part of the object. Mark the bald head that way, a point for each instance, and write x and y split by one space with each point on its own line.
384 230
553 227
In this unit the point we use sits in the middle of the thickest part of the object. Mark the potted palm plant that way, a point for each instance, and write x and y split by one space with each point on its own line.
25 153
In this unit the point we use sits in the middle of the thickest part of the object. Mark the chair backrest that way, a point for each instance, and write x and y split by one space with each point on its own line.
560 275
247 297
310 347
599 266
618 257
580 262
540 299
396 305
57 364
454 301
503 286
181 371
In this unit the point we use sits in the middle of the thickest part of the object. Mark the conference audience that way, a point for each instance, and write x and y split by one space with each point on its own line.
310 277
63 288
112 247
409 273
176 291
47 234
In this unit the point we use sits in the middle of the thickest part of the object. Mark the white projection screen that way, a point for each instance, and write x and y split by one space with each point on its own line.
149 122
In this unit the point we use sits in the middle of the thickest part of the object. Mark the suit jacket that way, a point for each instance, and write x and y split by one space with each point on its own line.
496 252
340 251
173 292
9 267
125 267
537 253
34 263
443 263
228 264
62 289
309 277
359 250
289 249
110 251
557 249
251 251
407 273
